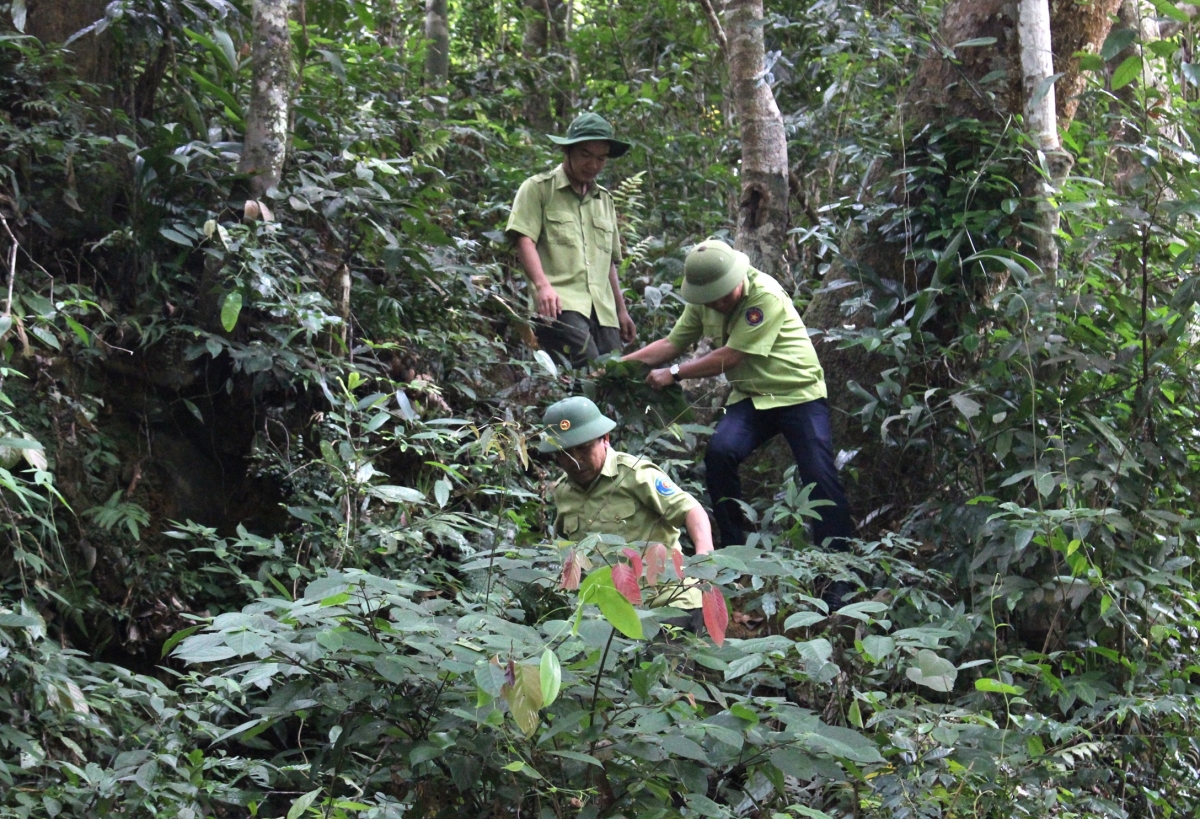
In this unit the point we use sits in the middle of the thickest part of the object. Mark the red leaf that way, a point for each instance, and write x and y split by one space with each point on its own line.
635 559
571 572
677 559
656 562
716 615
626 582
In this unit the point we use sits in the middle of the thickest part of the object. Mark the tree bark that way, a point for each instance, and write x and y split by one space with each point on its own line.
763 209
546 25
265 146
54 21
437 50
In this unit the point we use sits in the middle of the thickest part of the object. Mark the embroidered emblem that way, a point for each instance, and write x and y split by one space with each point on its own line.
754 316
564 425
664 487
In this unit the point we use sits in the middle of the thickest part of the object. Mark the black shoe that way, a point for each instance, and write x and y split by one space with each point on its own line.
835 594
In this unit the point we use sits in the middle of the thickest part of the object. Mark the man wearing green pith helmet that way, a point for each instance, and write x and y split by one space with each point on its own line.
612 493
563 227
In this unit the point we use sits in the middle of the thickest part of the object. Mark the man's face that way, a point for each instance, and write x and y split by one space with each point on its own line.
583 463
726 303
585 161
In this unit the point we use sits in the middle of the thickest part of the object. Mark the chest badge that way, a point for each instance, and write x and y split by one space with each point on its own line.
664 487
754 316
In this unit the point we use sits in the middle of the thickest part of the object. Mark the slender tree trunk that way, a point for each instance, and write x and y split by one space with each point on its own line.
1037 68
265 147
437 50
534 42
763 214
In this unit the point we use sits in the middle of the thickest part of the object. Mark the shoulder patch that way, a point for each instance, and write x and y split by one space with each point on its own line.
754 316
664 487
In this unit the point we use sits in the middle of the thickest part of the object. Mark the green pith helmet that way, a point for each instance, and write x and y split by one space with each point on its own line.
588 127
573 421
713 269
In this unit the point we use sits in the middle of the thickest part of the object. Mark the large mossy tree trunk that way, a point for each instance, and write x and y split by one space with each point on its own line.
55 21
983 83
763 215
266 141
546 74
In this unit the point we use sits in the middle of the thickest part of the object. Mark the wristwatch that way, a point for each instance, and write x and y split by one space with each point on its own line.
674 371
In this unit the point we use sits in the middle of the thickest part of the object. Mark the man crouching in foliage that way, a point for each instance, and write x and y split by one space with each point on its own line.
610 493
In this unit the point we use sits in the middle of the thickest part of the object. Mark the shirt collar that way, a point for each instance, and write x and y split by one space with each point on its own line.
609 470
562 181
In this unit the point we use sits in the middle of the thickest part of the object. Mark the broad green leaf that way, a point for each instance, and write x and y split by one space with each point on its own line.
230 309
618 611
1117 41
551 677
1127 72
878 646
802 619
175 236
524 698
302 804
996 687
397 494
933 671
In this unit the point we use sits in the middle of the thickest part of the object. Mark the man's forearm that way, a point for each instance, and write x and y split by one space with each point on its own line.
654 353
720 360
531 263
699 530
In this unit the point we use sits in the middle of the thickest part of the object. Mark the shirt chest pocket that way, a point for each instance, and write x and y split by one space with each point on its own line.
561 227
604 228
609 518
714 327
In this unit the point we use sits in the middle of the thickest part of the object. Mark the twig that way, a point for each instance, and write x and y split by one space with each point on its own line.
715 22
12 266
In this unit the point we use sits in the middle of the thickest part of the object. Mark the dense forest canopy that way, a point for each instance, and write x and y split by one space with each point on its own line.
275 532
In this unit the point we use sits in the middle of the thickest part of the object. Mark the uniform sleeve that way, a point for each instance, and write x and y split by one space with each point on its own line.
688 328
757 325
616 242
658 492
527 210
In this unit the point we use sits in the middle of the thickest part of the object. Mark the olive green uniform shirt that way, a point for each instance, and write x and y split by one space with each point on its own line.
635 500
576 239
781 366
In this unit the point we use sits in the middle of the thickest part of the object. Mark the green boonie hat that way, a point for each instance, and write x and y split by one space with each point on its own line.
712 270
588 127
571 422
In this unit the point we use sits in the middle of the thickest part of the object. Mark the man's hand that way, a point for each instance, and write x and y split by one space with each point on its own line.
628 328
660 378
548 303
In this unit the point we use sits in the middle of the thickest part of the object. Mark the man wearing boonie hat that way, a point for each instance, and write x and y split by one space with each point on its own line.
762 347
564 228
611 493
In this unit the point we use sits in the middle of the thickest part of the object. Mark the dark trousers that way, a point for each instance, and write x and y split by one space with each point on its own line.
806 429
576 338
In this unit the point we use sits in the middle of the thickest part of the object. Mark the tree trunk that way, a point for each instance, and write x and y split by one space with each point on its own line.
763 214
265 147
54 21
534 43
1037 68
941 90
437 50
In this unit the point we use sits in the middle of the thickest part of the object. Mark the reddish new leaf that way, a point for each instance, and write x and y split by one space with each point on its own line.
677 559
635 559
716 615
626 583
571 572
656 562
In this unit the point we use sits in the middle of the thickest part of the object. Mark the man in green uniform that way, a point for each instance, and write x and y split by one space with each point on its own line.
611 493
762 347
564 228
